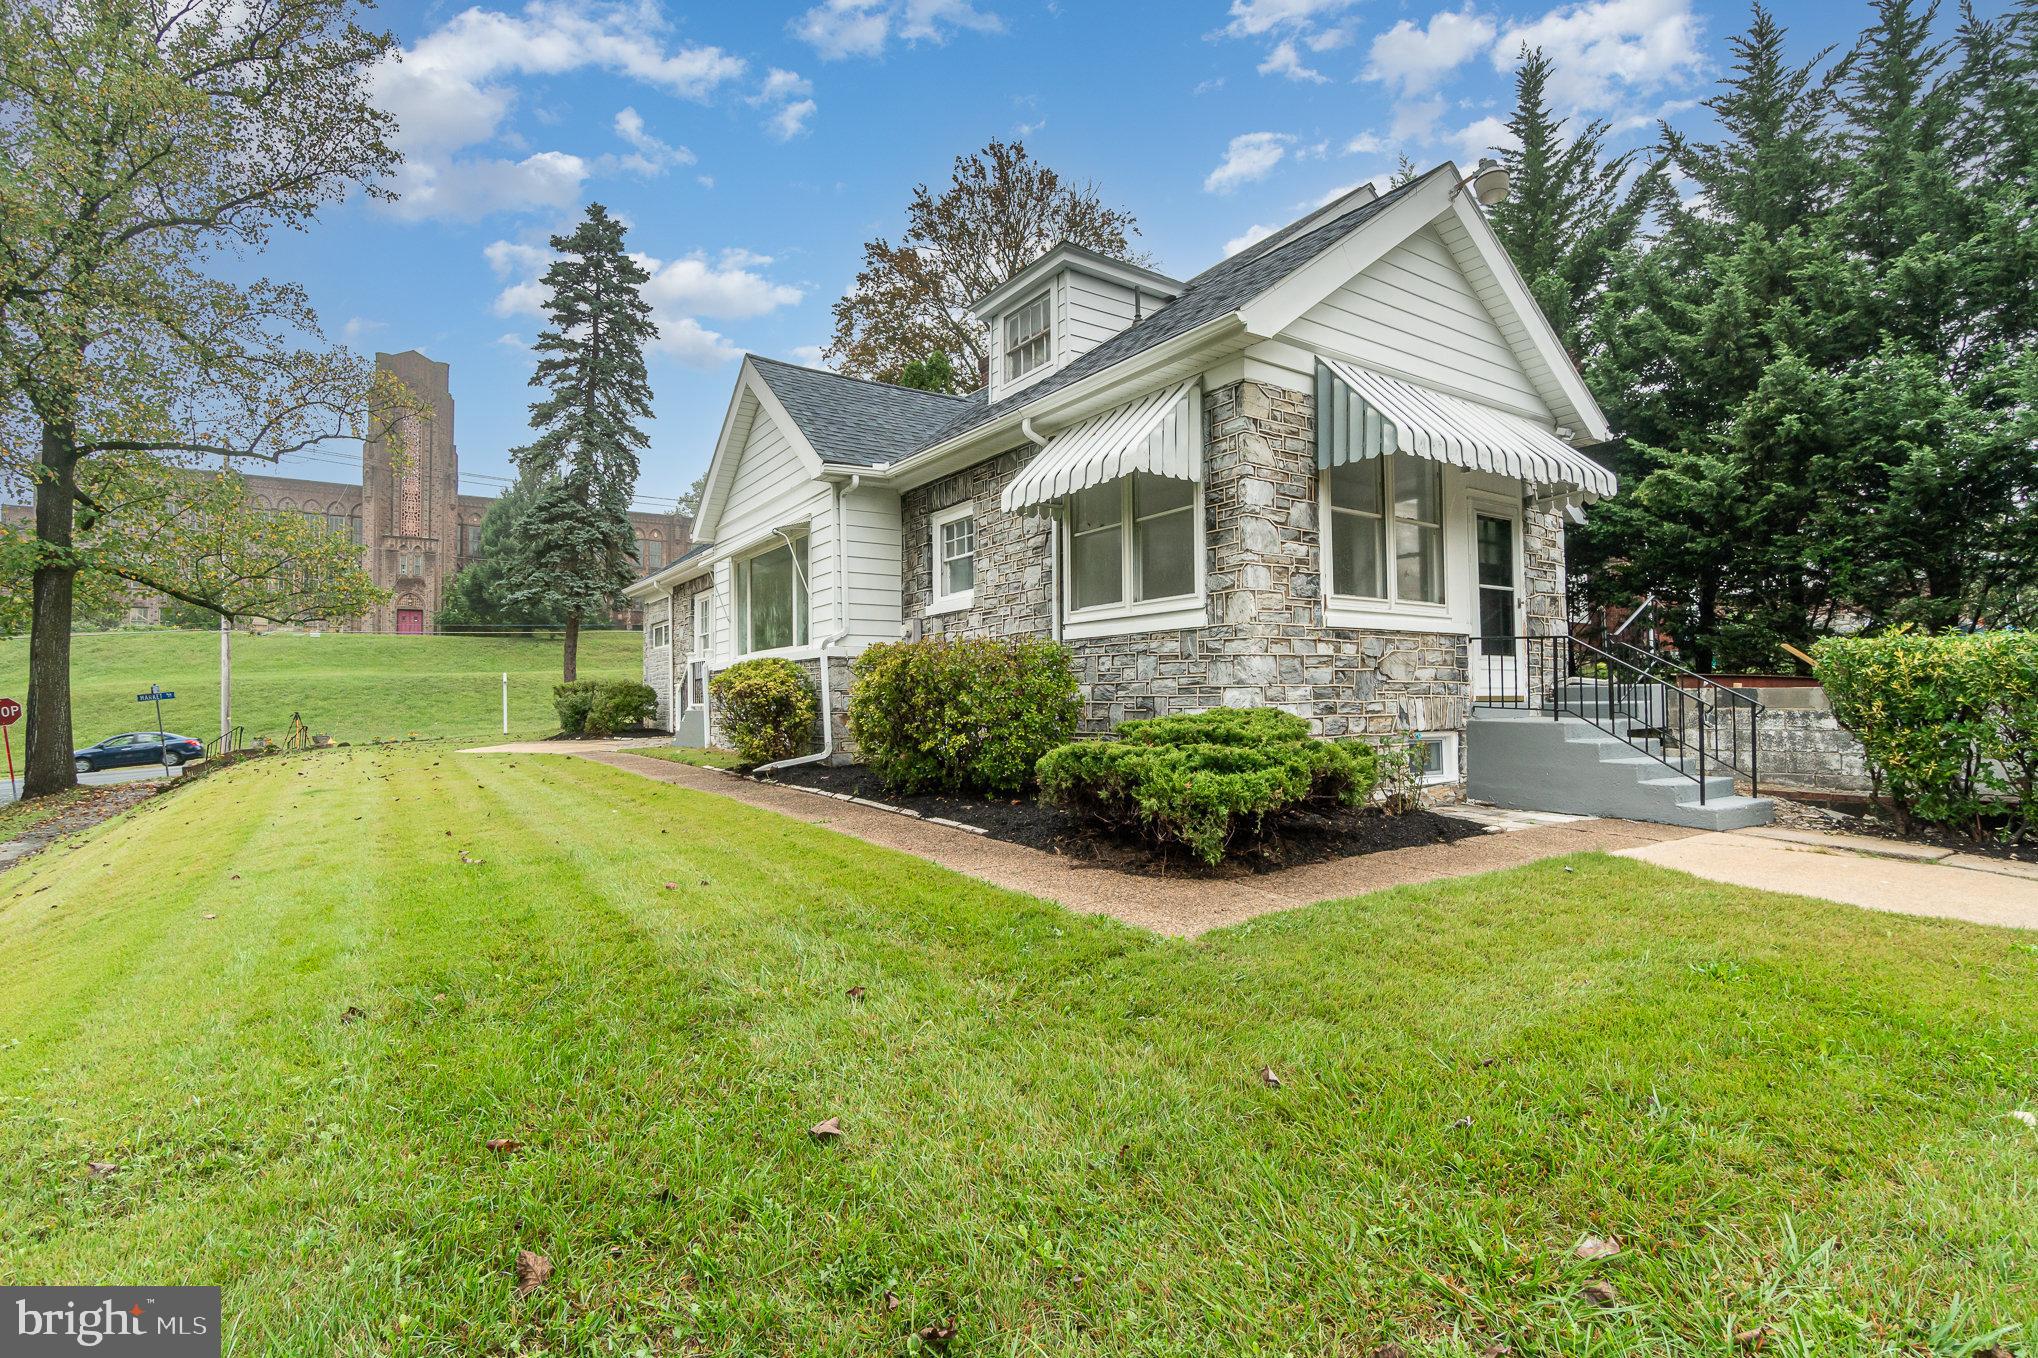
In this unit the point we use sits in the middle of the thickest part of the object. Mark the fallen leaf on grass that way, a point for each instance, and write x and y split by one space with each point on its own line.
891 1301
1497 1349
532 1271
1268 1078
352 1014
503 1145
937 1335
99 1169
827 1129
1600 1294
1752 1340
855 992
1390 1350
1464 1121
210 915
672 886
1597 1247
2029 1119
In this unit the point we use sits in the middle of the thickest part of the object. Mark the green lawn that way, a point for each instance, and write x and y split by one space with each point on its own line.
704 759
353 687
1795 1115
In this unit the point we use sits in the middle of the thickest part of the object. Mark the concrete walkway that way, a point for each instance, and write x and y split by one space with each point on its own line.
1182 906
1874 874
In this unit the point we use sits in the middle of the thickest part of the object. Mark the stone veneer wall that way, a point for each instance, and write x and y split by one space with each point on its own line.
658 661
1266 642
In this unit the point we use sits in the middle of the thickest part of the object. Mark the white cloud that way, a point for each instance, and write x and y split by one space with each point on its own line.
1284 60
465 190
1413 58
1600 52
779 84
451 90
683 291
791 120
652 155
1415 121
1250 156
1478 139
510 339
359 326
1252 235
1210 86
1365 144
862 28
809 354
1028 129
1251 18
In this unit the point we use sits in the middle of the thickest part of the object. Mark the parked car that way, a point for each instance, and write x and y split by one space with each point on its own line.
138 747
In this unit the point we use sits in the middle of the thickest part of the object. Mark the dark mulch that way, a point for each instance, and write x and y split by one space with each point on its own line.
1857 816
1025 820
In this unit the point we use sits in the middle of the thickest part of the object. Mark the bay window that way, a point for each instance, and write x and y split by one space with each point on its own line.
1384 518
1132 540
771 597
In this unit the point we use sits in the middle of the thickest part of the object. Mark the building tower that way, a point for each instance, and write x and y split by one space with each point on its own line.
409 494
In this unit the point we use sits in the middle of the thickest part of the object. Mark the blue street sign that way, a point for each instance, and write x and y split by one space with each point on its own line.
154 696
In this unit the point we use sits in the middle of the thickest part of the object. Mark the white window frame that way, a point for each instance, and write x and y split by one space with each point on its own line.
1128 615
1447 757
803 602
1358 610
1043 336
661 634
703 639
937 600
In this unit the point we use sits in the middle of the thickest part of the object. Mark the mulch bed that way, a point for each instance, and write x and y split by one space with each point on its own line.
1025 820
1856 816
631 734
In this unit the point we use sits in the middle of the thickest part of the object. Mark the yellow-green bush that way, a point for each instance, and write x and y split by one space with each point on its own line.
767 708
1949 723
962 716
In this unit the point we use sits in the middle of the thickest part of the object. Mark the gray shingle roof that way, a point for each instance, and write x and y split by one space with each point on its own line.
855 423
868 423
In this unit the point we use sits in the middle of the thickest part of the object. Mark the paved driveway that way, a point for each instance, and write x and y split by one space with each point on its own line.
104 778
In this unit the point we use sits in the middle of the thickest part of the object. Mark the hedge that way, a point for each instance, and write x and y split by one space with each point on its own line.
961 716
600 707
767 708
1949 723
1212 782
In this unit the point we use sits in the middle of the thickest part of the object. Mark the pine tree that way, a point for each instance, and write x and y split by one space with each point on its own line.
477 599
1567 217
575 549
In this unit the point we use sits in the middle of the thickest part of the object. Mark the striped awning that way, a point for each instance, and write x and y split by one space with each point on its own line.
1362 414
1161 433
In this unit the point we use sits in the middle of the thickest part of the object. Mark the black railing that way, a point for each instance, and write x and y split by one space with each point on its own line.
1686 722
226 742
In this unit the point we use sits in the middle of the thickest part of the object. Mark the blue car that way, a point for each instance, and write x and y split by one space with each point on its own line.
138 747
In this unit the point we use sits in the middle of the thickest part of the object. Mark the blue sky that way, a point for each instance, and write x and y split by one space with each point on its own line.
753 148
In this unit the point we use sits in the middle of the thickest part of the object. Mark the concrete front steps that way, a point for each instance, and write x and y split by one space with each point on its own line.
1531 762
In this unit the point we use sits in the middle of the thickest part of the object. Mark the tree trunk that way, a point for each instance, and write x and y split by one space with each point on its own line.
47 766
572 646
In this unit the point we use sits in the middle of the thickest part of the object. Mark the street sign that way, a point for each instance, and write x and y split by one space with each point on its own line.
10 711
155 695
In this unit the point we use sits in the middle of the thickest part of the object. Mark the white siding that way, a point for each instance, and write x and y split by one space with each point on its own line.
770 489
1414 314
1092 311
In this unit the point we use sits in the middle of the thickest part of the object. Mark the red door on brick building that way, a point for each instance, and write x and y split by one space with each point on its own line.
410 622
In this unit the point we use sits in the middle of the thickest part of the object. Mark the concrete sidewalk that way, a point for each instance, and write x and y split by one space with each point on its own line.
1873 874
1182 906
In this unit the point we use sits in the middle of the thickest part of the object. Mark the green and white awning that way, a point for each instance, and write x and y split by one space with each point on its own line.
1161 434
1362 414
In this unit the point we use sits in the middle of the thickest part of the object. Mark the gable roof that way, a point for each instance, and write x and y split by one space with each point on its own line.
854 423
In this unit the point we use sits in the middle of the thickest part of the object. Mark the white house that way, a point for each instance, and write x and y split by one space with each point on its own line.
1328 474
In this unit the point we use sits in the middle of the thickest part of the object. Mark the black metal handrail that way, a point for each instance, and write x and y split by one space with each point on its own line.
1662 710
226 742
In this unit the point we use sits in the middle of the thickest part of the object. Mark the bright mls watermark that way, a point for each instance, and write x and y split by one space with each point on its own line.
154 1322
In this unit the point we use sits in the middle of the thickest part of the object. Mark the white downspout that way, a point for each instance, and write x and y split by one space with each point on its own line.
842 631
1053 545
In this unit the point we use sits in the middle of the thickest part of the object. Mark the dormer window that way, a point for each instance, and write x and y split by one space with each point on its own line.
1029 338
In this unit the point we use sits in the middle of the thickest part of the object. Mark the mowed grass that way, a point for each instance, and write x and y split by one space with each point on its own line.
353 687
1793 1115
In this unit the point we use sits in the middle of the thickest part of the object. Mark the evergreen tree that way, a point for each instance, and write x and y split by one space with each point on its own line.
574 547
1567 218
478 598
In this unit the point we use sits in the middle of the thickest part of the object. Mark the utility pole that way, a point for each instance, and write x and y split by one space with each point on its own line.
226 680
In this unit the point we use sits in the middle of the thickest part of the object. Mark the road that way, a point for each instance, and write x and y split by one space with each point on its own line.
104 778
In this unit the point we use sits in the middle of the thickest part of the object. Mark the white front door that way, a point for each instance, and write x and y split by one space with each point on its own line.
1497 641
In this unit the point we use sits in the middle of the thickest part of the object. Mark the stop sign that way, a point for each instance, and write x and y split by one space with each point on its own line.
10 711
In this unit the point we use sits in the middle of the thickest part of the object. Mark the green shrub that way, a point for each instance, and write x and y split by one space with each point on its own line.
961 716
1211 782
601 707
767 708
1949 723
622 705
573 702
